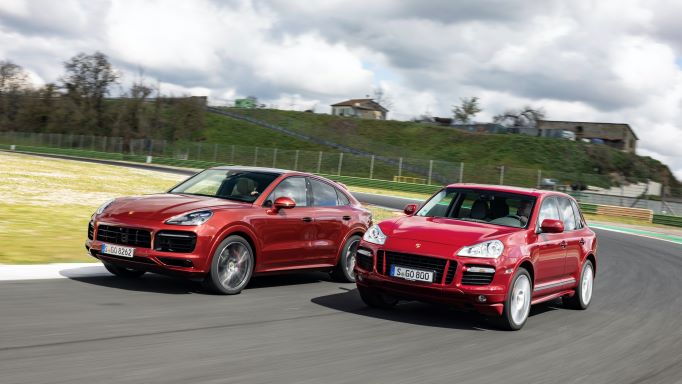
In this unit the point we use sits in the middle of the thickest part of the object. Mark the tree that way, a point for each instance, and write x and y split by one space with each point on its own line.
13 82
527 117
87 81
12 77
468 108
382 98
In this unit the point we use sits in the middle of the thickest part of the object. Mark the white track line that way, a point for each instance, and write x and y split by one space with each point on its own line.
9 272
633 234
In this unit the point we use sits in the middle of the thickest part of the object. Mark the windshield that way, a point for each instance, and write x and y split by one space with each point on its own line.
227 184
480 205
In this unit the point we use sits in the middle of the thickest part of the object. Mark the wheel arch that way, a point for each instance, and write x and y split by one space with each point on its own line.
238 230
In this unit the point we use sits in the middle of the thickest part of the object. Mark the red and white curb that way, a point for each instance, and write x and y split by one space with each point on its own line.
10 272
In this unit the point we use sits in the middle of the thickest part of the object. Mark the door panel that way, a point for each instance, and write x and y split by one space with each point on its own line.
551 253
572 235
288 235
329 220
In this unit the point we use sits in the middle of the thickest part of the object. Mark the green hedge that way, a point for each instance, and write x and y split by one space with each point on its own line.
588 208
675 221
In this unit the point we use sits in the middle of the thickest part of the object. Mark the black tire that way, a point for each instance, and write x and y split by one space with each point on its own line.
508 320
376 299
128 273
231 254
344 271
580 300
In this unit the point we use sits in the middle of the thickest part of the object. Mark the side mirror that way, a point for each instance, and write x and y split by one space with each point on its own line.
552 226
281 203
410 209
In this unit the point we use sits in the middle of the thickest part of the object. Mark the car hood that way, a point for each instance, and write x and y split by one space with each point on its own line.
443 231
166 205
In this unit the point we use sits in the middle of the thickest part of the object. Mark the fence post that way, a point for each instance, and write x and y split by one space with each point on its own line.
371 168
400 167
539 177
430 170
59 140
340 162
274 158
501 174
215 152
461 171
319 162
255 157
296 161
151 148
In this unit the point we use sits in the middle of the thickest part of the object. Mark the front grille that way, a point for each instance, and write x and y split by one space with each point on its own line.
91 231
477 278
175 241
135 237
380 261
363 258
452 268
418 262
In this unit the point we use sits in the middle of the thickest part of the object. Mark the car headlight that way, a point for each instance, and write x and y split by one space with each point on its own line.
192 218
488 249
374 235
103 207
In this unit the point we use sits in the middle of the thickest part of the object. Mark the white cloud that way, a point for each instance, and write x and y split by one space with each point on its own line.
611 60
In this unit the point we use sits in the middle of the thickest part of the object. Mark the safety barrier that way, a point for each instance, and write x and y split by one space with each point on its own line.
426 189
633 213
675 221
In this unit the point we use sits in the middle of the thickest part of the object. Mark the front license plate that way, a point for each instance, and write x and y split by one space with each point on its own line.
117 250
411 274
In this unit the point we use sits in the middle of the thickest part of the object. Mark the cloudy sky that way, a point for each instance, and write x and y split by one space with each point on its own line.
602 60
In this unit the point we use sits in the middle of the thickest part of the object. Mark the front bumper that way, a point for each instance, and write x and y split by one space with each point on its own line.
194 263
487 299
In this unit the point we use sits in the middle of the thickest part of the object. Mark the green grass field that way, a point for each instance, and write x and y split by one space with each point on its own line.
45 204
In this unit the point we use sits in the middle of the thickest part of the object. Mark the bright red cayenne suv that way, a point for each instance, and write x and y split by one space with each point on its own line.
496 249
226 224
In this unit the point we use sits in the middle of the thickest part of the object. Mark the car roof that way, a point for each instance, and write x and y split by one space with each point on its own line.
254 169
506 188
277 171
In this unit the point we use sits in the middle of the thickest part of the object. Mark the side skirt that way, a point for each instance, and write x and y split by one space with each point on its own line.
553 296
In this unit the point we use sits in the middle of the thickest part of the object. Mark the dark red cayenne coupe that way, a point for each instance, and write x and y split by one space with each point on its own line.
491 248
226 224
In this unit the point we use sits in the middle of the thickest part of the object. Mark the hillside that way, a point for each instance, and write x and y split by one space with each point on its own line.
423 141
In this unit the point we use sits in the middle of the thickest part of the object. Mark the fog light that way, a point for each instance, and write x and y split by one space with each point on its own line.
482 299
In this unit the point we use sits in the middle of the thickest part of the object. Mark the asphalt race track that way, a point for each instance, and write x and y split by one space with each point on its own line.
303 328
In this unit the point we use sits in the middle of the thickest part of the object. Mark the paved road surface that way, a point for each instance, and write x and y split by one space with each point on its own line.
305 329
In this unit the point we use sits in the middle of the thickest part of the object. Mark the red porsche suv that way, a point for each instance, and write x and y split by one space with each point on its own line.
491 248
226 224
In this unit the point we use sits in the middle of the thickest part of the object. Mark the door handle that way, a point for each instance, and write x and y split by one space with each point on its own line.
346 217
307 219
563 244
582 241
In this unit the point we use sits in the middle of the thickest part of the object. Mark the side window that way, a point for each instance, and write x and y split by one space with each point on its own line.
548 210
567 214
578 215
294 188
324 195
342 198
